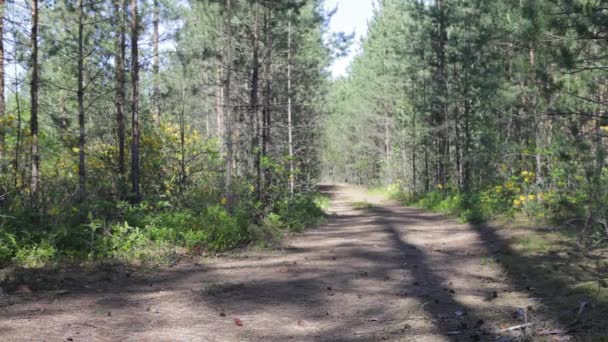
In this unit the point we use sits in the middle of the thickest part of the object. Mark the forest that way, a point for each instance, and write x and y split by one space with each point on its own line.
192 170
479 109
133 127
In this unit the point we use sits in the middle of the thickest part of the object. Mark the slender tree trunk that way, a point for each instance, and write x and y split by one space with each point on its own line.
18 140
82 171
35 166
182 134
600 155
427 175
219 106
2 101
443 112
253 100
120 98
266 138
537 124
467 134
156 62
387 148
227 104
289 111
135 167
414 155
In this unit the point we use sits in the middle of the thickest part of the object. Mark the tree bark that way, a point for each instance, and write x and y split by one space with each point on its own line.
253 100
2 101
82 171
35 164
267 119
227 104
443 110
120 99
289 111
156 63
135 167
219 106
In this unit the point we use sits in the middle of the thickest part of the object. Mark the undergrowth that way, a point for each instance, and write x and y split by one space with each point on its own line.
147 233
517 196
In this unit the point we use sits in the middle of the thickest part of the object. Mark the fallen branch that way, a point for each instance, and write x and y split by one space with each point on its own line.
516 327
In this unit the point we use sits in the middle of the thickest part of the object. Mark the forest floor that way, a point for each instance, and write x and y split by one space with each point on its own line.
380 272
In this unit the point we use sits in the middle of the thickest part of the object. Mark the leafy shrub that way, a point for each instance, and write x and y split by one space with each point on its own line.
6 252
223 231
36 255
300 212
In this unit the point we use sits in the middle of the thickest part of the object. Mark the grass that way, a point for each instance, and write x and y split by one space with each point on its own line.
322 202
363 205
533 243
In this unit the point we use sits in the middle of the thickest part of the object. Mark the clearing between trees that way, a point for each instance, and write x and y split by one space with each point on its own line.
381 272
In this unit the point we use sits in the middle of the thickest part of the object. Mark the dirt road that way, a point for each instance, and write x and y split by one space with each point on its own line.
380 273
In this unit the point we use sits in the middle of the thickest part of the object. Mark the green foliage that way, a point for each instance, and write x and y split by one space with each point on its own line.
470 111
467 207
152 233
362 205
299 212
36 255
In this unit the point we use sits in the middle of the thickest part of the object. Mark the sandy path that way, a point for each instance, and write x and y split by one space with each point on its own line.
385 273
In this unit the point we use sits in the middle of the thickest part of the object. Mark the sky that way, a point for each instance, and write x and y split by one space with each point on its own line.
352 16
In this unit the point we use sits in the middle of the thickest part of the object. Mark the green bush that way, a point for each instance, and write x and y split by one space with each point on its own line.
146 231
223 231
6 252
431 200
300 212
36 255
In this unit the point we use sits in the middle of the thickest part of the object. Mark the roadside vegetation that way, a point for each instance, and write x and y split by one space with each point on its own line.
141 138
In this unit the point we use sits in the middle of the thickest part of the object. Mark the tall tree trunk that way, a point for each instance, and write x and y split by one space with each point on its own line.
443 110
266 121
120 99
35 165
135 171
414 155
253 100
16 158
289 111
82 171
182 134
2 102
219 107
387 148
537 121
156 62
227 104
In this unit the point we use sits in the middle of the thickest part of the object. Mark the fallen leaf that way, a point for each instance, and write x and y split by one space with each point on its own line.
23 289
